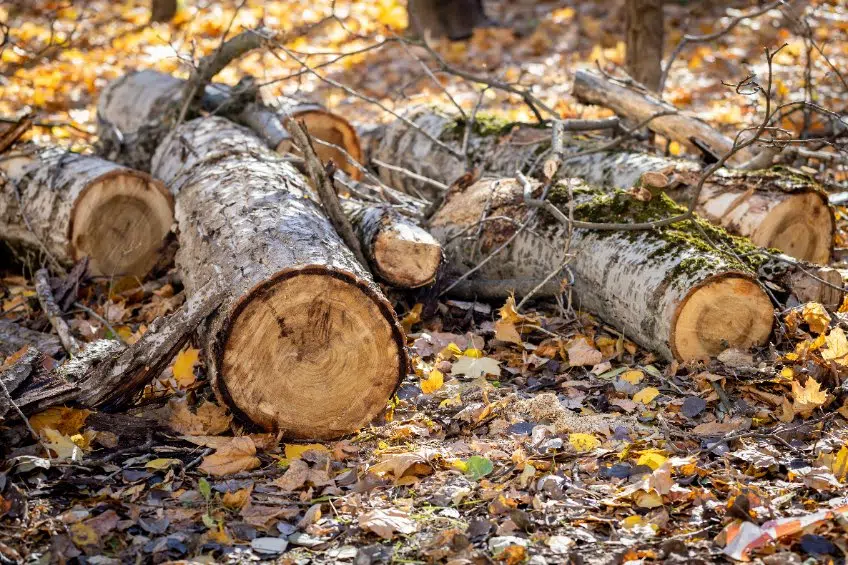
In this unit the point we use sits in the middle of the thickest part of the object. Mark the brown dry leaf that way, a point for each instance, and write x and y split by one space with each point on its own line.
236 456
238 499
299 474
405 468
385 523
61 445
582 352
837 347
210 418
505 331
721 428
67 421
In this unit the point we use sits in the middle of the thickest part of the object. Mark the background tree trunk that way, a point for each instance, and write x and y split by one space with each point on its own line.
163 10
645 38
454 19
304 343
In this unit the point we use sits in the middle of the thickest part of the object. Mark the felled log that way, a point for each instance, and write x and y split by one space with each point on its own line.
69 206
304 343
664 288
131 122
776 208
638 106
398 250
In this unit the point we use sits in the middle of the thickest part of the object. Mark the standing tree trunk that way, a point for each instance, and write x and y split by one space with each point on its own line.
163 10
304 343
775 208
664 288
645 38
70 206
454 19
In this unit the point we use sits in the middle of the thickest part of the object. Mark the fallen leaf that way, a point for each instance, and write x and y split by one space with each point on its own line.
162 464
633 376
403 466
385 523
296 450
434 381
237 456
210 419
816 317
478 467
61 445
583 442
808 397
582 352
646 395
183 367
66 421
237 500
474 367
652 459
837 346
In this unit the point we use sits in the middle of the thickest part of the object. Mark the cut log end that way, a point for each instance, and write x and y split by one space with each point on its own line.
406 257
726 311
330 128
800 226
307 334
121 222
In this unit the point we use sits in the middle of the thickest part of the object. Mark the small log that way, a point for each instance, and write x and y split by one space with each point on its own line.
132 123
637 106
304 343
665 288
398 250
13 337
70 206
776 208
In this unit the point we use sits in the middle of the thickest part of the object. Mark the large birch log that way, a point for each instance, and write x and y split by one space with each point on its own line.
304 343
399 251
638 106
664 288
775 208
132 120
69 206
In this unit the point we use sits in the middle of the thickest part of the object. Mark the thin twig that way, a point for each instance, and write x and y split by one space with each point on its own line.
53 313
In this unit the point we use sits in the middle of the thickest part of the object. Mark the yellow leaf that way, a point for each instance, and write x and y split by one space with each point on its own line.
296 450
674 148
237 456
652 459
816 317
508 312
473 353
808 397
506 331
633 377
412 317
161 464
646 395
837 347
839 467
183 367
647 499
67 421
583 442
84 535
632 521
434 381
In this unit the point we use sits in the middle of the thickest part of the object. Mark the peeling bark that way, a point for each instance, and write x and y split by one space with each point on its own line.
664 288
70 206
304 343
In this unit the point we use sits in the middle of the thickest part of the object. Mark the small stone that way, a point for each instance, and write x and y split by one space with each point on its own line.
500 543
269 546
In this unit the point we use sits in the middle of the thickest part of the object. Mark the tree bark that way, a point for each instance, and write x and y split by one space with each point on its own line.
69 206
163 10
775 208
304 343
664 288
13 337
132 120
645 40
638 106
454 19
398 250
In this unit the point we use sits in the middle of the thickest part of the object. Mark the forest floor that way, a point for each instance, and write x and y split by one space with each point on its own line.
540 436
